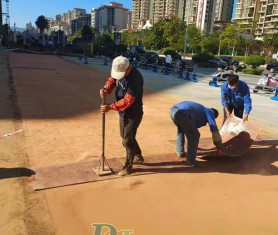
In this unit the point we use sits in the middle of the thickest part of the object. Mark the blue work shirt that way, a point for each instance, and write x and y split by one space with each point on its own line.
198 113
238 97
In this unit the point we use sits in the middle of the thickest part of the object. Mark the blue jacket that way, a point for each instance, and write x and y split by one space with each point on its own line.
238 97
199 113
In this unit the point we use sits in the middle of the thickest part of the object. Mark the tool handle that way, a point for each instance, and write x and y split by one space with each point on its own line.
103 126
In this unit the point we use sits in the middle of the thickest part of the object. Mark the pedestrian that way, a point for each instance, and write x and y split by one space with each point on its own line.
128 82
235 96
188 116
168 61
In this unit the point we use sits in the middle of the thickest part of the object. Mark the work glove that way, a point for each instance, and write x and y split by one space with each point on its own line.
217 140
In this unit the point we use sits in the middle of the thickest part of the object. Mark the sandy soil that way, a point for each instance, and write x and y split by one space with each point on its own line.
56 102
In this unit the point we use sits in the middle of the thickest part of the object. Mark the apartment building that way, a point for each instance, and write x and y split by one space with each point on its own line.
199 12
111 18
223 10
141 11
63 21
80 22
259 17
153 10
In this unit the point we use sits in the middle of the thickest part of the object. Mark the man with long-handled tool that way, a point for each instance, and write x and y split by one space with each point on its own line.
128 82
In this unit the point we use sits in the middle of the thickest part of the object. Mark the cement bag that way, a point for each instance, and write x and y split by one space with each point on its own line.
232 126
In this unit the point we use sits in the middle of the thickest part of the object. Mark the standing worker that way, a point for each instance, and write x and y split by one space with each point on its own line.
235 96
188 116
129 91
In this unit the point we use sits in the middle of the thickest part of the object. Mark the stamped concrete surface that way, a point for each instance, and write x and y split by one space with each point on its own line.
55 100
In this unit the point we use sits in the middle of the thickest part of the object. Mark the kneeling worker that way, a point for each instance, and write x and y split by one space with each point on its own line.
188 117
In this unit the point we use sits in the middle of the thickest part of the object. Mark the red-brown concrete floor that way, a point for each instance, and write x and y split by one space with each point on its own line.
58 102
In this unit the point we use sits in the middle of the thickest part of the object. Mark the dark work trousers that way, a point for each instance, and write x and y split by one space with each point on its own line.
128 130
238 112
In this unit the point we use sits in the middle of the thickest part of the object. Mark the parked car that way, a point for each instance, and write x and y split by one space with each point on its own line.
219 62
273 67
151 55
229 60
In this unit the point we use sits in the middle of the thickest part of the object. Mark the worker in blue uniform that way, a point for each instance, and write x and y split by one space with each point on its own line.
235 96
188 116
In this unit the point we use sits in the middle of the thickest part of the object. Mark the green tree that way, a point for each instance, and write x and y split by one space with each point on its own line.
210 43
42 23
270 44
74 37
174 31
231 36
87 32
159 42
194 38
255 47
125 37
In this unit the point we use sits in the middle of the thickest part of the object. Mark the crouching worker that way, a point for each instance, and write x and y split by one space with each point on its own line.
188 117
128 83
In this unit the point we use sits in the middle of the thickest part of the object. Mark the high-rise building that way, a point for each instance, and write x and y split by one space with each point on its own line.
224 10
258 17
140 12
199 12
112 18
80 22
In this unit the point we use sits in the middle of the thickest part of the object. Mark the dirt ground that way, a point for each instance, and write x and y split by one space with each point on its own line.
56 103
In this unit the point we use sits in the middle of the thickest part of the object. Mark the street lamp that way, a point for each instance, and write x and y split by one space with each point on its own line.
15 39
186 30
59 35
185 39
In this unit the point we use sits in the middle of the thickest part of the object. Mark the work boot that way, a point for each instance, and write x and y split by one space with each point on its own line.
138 159
125 171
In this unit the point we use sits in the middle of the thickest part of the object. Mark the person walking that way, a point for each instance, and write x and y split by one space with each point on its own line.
188 116
235 96
128 82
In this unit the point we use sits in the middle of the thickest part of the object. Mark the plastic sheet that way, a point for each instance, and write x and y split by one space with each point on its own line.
233 126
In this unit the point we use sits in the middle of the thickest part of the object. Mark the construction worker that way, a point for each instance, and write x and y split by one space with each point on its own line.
235 96
128 82
188 116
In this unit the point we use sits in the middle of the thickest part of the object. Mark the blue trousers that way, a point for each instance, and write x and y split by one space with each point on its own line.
186 128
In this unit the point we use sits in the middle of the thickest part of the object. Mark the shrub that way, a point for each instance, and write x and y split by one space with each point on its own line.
254 61
205 56
252 71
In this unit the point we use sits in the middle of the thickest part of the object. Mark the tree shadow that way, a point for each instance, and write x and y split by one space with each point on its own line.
6 173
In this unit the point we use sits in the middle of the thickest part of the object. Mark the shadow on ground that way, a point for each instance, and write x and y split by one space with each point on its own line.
258 160
6 173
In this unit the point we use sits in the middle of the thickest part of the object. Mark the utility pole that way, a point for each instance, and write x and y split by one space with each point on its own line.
186 30
1 17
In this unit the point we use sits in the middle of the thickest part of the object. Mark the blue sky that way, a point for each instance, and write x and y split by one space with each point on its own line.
24 11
